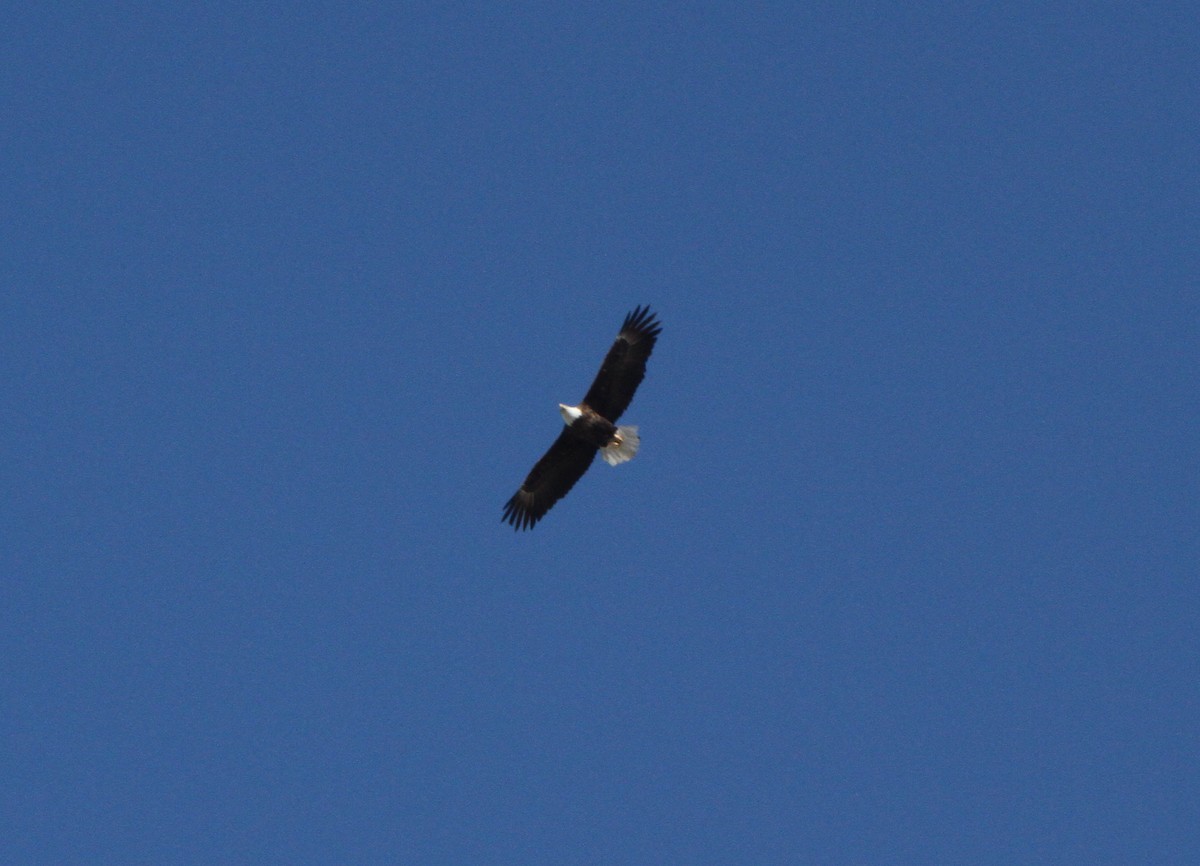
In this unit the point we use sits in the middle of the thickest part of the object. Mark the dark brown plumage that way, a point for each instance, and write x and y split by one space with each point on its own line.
592 424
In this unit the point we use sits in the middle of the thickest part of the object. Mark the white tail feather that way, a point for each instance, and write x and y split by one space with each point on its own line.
623 447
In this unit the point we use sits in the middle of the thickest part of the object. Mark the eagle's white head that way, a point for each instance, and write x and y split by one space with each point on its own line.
570 414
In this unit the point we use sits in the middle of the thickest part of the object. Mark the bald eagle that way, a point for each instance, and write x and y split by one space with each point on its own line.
591 426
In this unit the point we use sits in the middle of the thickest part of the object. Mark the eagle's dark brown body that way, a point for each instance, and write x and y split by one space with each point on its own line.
592 427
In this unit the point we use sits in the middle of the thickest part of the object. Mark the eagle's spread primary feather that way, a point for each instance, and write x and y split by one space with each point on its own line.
591 426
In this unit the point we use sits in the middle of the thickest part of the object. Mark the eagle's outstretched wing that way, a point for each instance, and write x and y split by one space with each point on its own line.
625 365
549 480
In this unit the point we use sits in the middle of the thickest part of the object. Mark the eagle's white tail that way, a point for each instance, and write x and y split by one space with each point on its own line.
623 447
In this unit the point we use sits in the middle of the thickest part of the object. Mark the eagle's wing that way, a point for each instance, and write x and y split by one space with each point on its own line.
625 365
549 480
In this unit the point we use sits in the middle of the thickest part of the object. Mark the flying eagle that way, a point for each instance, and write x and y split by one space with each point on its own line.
591 426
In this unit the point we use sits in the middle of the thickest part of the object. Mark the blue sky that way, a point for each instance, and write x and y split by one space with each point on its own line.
905 571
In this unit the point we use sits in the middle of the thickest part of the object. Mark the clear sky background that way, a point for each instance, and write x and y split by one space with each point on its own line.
906 569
